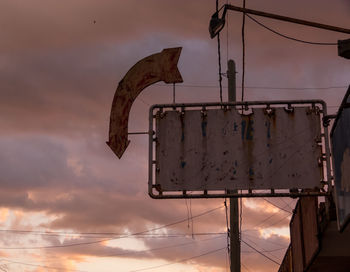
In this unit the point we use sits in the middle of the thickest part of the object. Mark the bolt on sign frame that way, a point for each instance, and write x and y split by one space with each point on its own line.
258 149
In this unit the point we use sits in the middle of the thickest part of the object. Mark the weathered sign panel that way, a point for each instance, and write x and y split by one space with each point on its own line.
340 136
213 149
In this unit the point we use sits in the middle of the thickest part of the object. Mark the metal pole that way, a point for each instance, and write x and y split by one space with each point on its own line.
287 19
235 245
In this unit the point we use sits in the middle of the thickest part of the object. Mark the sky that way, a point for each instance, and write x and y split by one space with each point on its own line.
67 203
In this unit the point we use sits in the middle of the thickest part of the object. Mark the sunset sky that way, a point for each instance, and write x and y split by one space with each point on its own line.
67 203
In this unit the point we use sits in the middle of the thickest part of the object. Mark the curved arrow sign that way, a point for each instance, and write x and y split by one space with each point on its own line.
157 67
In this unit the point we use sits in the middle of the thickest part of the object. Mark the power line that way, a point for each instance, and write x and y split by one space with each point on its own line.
261 253
42 266
273 204
245 267
243 51
93 235
113 238
219 57
266 240
267 218
275 223
164 247
258 87
181 261
228 233
265 251
252 243
285 36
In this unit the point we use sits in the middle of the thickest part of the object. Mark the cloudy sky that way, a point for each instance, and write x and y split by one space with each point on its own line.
67 203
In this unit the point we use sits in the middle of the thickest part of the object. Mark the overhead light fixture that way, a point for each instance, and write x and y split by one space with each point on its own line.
344 48
216 24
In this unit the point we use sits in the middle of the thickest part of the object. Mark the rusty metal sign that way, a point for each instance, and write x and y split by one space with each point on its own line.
206 150
157 67
340 138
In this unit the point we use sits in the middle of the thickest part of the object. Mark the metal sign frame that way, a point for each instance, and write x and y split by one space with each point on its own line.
244 107
339 193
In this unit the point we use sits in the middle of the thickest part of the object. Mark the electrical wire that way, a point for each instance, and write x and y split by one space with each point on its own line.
174 93
92 234
243 51
266 240
285 36
42 266
245 267
181 261
220 74
273 204
280 220
240 217
266 251
228 232
113 238
219 56
191 218
163 247
267 218
261 253
227 26
259 87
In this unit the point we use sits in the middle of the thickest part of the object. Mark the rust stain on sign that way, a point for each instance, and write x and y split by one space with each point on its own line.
157 67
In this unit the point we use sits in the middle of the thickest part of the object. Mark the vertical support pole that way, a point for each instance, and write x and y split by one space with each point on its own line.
235 244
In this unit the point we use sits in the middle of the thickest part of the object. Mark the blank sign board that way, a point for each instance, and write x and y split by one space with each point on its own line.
222 149
340 136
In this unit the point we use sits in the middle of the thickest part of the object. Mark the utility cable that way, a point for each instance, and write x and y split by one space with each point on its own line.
285 36
163 247
42 266
273 204
258 87
265 251
261 253
228 231
105 234
243 51
245 267
219 56
181 261
220 74
256 245
113 238
266 240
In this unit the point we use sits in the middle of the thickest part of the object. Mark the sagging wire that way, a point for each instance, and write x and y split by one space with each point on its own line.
261 253
219 56
227 24
228 232
113 238
285 36
240 218
189 217
243 51
173 93
188 214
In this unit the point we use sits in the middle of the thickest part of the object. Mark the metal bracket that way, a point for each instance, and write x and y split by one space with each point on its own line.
327 118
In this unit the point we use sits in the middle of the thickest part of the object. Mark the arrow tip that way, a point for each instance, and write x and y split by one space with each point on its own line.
118 149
